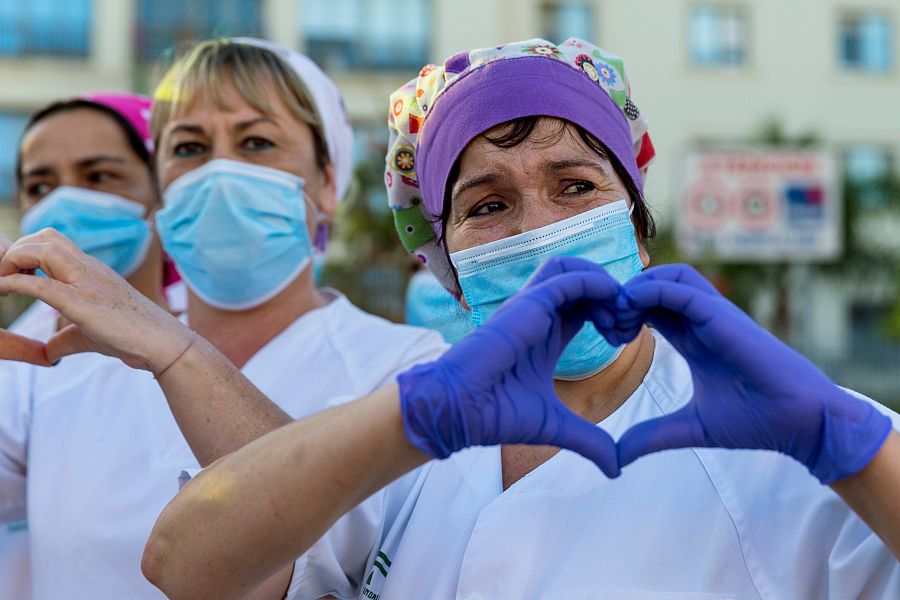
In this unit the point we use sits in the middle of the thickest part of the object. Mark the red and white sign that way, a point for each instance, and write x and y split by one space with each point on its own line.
759 205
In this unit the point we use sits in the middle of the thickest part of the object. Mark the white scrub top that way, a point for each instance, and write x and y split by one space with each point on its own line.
692 523
39 322
101 452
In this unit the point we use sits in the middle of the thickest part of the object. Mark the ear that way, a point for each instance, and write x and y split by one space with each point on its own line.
642 249
328 200
643 254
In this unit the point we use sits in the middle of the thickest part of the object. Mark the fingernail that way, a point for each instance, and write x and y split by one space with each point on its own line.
53 364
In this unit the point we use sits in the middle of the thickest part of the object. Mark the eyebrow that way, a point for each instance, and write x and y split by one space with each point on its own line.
39 171
560 165
475 181
243 125
93 161
87 163
188 128
238 127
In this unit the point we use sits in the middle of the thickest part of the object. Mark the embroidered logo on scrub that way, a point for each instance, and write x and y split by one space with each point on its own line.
382 565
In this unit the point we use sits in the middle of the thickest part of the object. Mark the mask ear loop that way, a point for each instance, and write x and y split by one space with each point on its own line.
320 238
322 233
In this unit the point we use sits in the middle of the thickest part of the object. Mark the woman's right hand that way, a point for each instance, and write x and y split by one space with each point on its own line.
107 314
495 386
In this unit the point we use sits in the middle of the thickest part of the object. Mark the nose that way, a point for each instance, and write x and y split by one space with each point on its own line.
69 177
538 210
223 150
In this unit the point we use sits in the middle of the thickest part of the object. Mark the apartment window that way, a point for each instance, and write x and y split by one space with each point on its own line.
45 27
864 42
717 36
367 34
11 127
165 25
866 168
562 20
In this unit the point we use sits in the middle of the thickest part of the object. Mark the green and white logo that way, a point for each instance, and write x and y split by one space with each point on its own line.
383 565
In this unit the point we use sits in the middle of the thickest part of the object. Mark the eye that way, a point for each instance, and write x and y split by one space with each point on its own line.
188 149
100 176
255 144
36 191
486 208
579 187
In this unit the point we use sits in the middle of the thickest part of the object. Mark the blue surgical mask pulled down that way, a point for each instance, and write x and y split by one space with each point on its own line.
492 272
110 228
237 232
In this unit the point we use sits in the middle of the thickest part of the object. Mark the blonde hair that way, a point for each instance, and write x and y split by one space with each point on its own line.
205 68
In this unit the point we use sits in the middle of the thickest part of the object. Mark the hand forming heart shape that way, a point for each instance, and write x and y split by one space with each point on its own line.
749 389
22 349
107 314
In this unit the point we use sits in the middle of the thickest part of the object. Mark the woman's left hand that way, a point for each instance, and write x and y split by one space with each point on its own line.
22 349
750 389
17 347
108 315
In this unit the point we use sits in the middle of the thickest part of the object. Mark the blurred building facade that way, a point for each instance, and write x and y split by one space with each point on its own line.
703 71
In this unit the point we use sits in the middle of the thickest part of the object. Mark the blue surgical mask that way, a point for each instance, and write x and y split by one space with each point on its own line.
431 306
105 226
237 232
493 272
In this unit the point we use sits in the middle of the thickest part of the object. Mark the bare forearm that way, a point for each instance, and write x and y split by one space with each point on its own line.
217 409
256 510
874 493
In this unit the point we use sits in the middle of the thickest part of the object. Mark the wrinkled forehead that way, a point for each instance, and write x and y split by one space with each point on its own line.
536 137
532 148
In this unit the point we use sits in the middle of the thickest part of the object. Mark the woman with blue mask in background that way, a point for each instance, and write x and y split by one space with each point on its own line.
428 304
253 151
85 169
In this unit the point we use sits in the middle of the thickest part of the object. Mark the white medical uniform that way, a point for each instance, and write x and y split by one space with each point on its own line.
39 321
101 451
689 523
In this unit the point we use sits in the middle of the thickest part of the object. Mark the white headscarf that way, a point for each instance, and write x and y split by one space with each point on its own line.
329 105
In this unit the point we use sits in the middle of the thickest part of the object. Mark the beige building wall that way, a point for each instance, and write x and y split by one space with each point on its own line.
32 81
792 72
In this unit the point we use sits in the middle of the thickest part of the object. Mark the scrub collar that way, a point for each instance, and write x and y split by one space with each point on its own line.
434 117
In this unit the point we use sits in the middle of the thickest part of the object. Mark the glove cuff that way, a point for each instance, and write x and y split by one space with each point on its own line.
428 410
853 432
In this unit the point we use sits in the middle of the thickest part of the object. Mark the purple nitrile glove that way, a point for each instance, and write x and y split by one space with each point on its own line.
750 390
495 386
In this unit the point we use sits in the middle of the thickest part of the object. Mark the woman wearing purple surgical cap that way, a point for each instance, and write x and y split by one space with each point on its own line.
516 176
252 153
515 173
